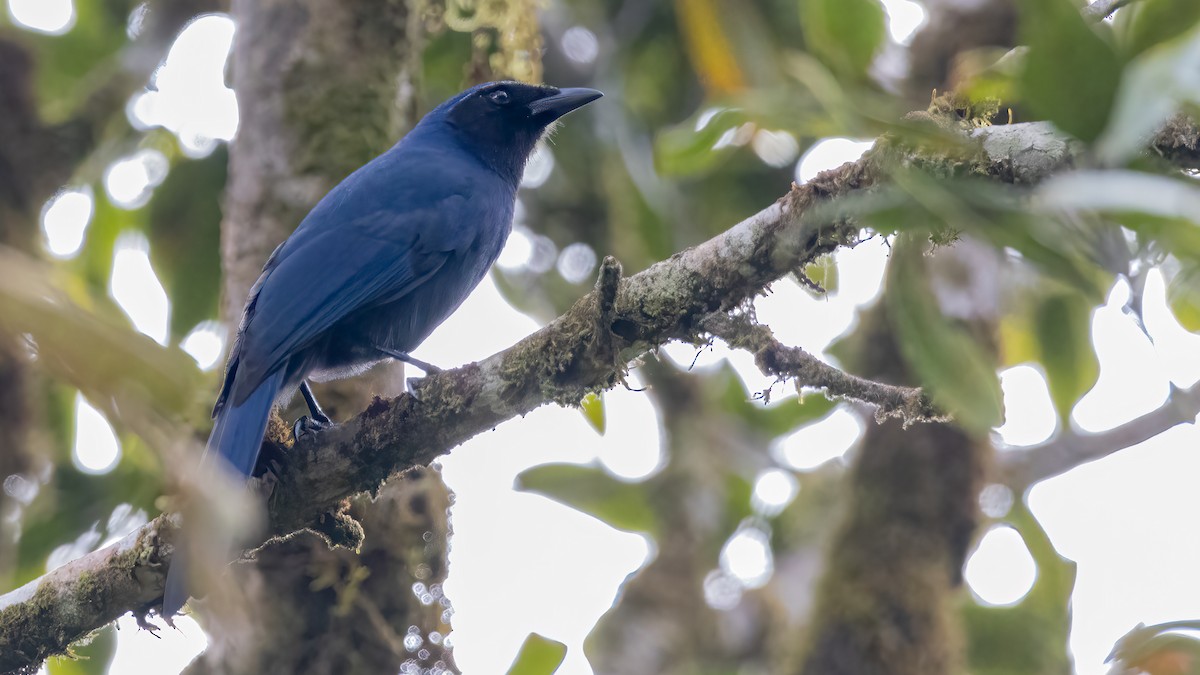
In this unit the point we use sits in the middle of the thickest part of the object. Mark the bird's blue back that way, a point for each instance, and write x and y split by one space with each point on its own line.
405 238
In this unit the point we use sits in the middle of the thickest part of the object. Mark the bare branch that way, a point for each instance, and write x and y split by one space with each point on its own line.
1022 468
586 349
910 404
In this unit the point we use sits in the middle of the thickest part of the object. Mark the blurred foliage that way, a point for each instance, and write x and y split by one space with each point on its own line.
592 406
624 505
844 34
1071 72
710 103
1150 23
1039 622
70 66
954 366
183 226
92 658
1063 323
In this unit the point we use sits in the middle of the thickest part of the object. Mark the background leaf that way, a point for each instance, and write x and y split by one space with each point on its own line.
1183 296
592 407
948 361
1063 323
844 34
590 489
1039 622
1071 73
538 656
1154 22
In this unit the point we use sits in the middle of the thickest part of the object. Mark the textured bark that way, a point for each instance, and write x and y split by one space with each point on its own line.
323 87
330 610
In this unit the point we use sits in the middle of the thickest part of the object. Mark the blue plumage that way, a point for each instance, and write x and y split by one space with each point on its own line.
383 259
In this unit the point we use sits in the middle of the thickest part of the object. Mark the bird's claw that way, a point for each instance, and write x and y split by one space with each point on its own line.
310 425
270 478
411 385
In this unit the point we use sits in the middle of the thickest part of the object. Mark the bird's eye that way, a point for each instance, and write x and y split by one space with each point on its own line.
499 97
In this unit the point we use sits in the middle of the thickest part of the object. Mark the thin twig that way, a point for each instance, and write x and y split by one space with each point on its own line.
774 358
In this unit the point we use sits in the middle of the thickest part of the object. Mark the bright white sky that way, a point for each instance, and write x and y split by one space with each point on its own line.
521 563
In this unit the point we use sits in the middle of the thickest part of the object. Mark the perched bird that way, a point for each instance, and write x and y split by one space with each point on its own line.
381 260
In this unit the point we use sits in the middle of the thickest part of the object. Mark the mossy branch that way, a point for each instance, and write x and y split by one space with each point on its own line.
909 404
586 349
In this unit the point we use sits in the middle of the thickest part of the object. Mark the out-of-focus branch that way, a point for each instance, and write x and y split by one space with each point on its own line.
910 404
1102 9
1023 468
91 591
586 349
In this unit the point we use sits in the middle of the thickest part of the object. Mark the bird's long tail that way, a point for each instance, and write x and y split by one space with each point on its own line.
236 438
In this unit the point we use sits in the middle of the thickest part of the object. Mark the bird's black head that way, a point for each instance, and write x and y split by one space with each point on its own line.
501 122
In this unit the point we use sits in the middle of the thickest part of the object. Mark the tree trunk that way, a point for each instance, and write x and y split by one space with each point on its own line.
885 605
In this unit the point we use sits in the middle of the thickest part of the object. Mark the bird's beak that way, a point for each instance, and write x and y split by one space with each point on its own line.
556 105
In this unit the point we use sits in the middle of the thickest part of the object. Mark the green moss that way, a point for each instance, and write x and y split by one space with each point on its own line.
341 100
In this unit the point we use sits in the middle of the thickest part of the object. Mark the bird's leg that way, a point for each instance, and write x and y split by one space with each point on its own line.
314 408
316 420
411 383
429 368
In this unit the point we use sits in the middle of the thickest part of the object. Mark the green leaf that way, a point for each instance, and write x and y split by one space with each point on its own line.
824 273
71 65
1154 22
1063 323
771 419
684 150
184 233
92 656
1183 296
592 407
590 489
538 656
1000 215
1029 638
844 34
1071 74
948 361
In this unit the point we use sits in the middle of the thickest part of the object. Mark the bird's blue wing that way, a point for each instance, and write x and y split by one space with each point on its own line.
321 277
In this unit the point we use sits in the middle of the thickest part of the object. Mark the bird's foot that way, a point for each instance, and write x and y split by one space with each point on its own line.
269 478
310 425
271 458
412 384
